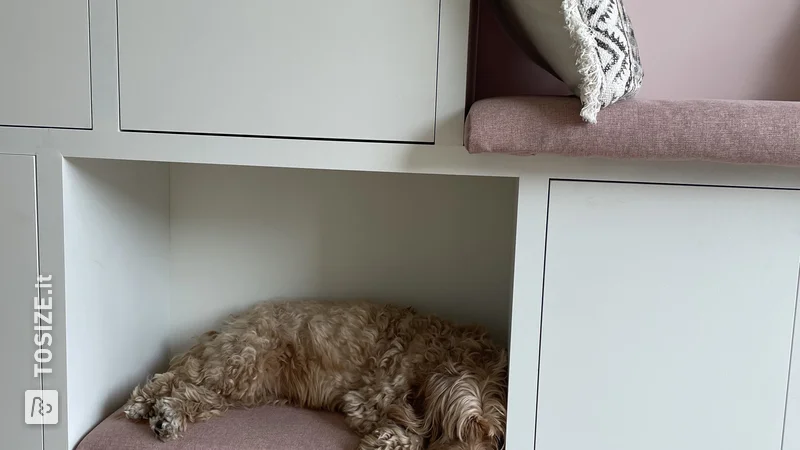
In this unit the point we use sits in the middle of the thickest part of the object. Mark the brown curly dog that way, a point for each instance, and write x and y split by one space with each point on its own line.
403 380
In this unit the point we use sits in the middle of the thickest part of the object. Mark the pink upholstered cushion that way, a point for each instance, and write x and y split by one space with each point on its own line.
749 132
265 428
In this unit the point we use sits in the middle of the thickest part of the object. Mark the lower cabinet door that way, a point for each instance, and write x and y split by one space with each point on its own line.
668 317
18 272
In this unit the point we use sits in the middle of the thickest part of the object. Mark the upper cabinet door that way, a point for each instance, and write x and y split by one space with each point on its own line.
44 63
668 317
350 69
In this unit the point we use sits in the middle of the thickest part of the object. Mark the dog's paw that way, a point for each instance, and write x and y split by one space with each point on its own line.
138 407
138 410
167 420
359 417
390 438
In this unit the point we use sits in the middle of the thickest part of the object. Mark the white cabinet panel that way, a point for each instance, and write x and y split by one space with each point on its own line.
18 271
44 55
352 69
668 317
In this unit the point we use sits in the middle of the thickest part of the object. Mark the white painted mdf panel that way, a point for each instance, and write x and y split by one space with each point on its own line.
19 268
667 318
44 55
116 253
241 235
352 69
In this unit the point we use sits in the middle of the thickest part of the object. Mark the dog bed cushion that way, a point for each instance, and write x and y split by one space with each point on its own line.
268 427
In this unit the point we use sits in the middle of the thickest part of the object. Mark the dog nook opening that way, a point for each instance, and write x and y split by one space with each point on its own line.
160 253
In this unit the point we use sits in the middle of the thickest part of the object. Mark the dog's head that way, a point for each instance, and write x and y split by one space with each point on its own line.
465 404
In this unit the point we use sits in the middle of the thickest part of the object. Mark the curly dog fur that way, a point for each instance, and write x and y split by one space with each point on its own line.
403 380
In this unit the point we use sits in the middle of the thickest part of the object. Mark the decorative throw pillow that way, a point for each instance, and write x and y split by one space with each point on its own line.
588 44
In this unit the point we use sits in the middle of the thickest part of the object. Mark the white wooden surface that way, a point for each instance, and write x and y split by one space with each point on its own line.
19 268
109 193
791 435
241 235
531 222
668 317
116 228
44 54
353 69
50 212
451 86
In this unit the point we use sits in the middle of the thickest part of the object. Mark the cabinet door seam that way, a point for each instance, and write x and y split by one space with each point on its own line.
665 183
38 255
541 315
791 356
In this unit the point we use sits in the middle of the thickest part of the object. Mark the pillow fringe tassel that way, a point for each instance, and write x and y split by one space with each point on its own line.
588 61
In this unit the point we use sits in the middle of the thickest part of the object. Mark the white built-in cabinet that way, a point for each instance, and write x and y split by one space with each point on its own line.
18 279
668 317
652 304
44 63
354 69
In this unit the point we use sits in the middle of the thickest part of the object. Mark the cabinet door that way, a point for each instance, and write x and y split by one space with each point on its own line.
44 53
352 69
18 272
668 317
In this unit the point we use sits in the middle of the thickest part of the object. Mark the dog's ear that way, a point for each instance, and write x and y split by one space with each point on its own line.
436 396
498 368
495 394
466 404
453 406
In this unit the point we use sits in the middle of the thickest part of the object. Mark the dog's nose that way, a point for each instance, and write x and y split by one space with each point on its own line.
159 424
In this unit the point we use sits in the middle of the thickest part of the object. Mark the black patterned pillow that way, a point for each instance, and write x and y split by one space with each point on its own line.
588 44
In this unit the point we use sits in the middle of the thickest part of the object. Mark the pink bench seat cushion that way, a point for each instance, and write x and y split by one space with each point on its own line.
264 428
732 131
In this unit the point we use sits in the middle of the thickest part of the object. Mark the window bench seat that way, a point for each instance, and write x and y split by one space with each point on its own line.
744 132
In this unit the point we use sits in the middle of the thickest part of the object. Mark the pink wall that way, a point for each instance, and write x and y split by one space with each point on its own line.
733 49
